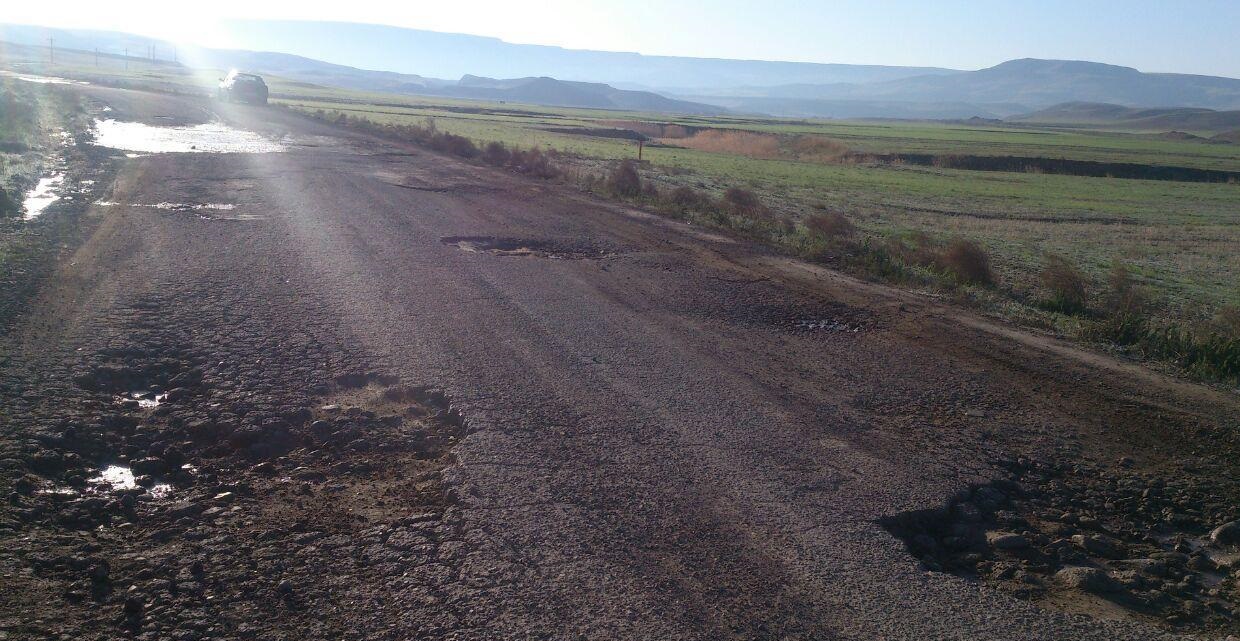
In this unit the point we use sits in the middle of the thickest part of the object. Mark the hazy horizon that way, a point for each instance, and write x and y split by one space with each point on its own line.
1145 35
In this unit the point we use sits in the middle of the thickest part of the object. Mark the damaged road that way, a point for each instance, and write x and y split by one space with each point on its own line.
305 402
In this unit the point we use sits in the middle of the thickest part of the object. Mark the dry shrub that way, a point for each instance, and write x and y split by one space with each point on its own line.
1065 285
496 154
818 148
690 199
453 144
1124 296
744 203
829 226
624 180
650 191
1227 321
968 262
730 141
533 162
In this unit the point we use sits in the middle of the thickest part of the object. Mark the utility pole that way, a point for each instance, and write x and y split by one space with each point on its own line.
51 50
96 57
126 58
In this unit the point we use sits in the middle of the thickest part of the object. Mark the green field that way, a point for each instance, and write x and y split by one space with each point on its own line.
1179 240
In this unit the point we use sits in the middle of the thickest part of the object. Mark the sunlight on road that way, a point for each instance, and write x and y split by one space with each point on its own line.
212 137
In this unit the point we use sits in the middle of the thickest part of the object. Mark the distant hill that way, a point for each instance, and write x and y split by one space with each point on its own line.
859 109
450 55
533 90
549 91
1008 89
1228 136
1155 119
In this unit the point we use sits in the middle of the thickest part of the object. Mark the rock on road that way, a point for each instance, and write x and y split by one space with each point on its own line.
671 434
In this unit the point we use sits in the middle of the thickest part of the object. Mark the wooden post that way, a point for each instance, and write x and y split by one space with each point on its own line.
640 144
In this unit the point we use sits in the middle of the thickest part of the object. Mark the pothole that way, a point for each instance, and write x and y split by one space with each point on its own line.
1111 543
553 249
212 137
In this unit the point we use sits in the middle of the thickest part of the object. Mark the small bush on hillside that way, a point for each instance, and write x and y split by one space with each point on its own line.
455 145
624 180
830 226
968 262
744 203
689 199
1065 286
496 154
1124 296
533 162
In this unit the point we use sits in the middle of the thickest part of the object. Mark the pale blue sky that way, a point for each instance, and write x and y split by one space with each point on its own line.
1190 36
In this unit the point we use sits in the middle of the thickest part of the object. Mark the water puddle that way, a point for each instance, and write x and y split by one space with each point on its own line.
828 325
43 195
43 80
526 247
119 478
212 137
143 400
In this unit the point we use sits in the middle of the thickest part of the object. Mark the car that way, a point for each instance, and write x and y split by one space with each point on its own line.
243 87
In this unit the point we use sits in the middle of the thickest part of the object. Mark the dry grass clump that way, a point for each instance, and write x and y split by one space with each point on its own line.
818 148
732 141
967 262
624 180
767 146
829 226
690 199
1067 291
496 154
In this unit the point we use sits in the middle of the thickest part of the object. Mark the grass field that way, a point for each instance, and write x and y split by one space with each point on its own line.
1179 241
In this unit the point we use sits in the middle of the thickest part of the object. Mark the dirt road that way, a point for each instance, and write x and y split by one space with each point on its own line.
383 394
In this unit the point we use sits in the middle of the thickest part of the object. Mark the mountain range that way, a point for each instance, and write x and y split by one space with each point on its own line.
391 59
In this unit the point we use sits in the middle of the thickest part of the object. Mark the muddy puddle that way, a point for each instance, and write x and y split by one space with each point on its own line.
829 325
43 80
203 211
561 250
142 400
211 137
43 195
118 478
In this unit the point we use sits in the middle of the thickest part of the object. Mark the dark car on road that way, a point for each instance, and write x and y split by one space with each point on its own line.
243 87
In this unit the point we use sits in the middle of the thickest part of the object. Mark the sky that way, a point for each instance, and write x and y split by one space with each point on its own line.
1185 36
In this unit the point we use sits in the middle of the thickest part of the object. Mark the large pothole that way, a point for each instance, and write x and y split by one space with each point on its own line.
1113 543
